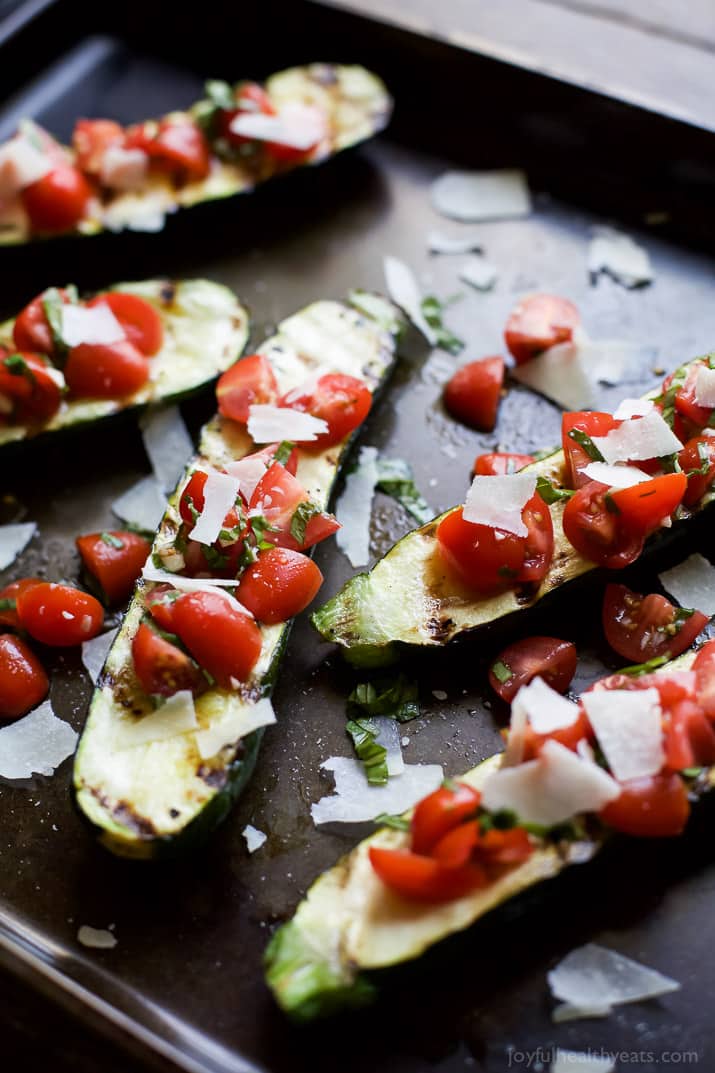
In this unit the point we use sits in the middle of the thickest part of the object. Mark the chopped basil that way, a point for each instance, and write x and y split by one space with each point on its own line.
17 366
610 504
215 560
692 772
285 449
584 440
259 525
112 541
372 755
502 671
7 604
666 401
394 478
301 516
637 669
539 456
397 698
670 463
220 94
433 310
399 823
550 493
52 304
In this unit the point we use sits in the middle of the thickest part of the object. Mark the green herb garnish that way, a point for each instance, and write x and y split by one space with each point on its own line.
8 604
399 823
372 755
502 671
637 669
52 303
17 366
111 541
301 516
584 440
395 478
285 449
397 698
550 493
433 310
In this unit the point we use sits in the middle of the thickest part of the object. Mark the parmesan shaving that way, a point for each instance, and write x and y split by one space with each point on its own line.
482 195
267 423
692 583
594 976
93 325
142 505
567 1011
618 255
14 539
254 837
21 164
299 126
355 801
176 716
633 408
637 439
404 291
354 509
388 736
499 501
478 273
38 742
249 471
95 652
560 374
705 386
240 721
220 494
190 584
627 723
124 169
167 444
546 709
619 476
440 243
96 938
581 1062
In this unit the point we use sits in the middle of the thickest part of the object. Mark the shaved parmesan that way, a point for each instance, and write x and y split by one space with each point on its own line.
478 273
220 493
692 583
639 438
593 976
124 169
190 584
254 837
21 164
96 938
37 743
633 408
560 374
249 471
619 476
176 716
240 721
546 709
627 723
482 195
499 501
14 539
167 443
388 736
355 800
94 325
267 423
514 752
439 243
580 1062
95 652
567 1011
557 786
307 386
705 386
404 291
354 509
618 255
142 505
300 126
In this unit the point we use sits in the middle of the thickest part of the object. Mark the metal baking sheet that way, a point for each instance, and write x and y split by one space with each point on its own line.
184 981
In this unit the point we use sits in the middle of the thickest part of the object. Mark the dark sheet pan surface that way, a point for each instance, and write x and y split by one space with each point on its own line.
191 934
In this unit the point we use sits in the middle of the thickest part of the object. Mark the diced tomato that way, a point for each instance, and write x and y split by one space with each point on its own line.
105 371
28 387
343 402
672 687
424 879
192 497
139 319
160 605
538 322
472 394
9 595
250 99
441 811
704 668
115 559
249 382
161 667
689 736
698 455
489 560
59 615
656 806
685 400
641 628
23 682
177 146
277 497
500 463
279 585
225 642
57 201
533 657
589 423
90 140
31 330
568 736
643 507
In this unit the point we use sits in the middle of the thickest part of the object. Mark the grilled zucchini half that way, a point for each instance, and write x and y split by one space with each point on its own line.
349 924
410 598
205 331
162 796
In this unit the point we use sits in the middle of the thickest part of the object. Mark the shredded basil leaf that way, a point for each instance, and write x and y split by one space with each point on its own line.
301 516
502 671
397 698
215 560
285 449
550 493
692 772
112 541
610 504
52 305
637 669
539 456
395 478
399 823
433 310
372 755
584 440
17 366
220 94
8 604
666 400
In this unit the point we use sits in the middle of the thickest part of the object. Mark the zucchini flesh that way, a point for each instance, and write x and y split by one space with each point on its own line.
205 331
350 923
157 798
409 597
356 102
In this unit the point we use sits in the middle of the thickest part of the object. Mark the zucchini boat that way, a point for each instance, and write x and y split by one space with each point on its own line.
203 327
116 179
351 924
159 796
410 597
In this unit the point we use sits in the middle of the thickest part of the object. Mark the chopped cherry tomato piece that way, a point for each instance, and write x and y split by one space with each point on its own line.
139 319
250 381
31 330
250 99
704 668
500 463
277 496
105 371
57 201
59 614
656 806
176 146
538 322
689 737
90 140
162 667
424 879
697 456
641 628
160 605
115 559
440 811
23 682
574 426
685 400
28 389
9 595
472 394
343 402
192 498
533 657
222 640
645 506
279 585
568 736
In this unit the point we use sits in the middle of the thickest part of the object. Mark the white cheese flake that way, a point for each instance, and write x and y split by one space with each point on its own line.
638 439
618 255
96 938
191 584
254 838
437 242
633 408
124 169
388 736
176 716
167 443
142 505
705 386
482 195
479 273
546 709
14 538
94 325
220 493
38 742
95 652
355 801
567 1011
267 423
240 721
354 509
594 976
300 126
627 723
692 583
403 289
581 1062
499 501
560 374
21 164
249 471
618 476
